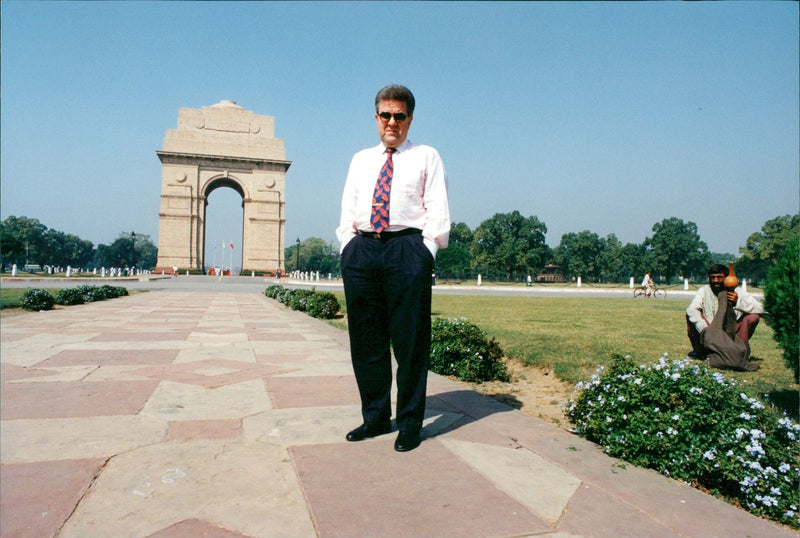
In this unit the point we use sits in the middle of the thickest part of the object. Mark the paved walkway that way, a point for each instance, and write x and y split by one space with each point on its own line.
170 414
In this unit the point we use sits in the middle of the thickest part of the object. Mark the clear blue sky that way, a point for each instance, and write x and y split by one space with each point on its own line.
601 116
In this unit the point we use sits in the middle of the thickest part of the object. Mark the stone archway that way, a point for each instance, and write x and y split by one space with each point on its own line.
222 145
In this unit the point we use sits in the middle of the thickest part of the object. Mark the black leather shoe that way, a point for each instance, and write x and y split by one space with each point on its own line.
407 441
369 430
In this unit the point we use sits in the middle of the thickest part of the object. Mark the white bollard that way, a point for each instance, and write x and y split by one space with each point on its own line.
14 270
744 284
252 274
579 282
69 271
631 284
479 280
685 283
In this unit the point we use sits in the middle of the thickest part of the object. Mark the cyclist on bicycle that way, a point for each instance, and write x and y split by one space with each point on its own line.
648 284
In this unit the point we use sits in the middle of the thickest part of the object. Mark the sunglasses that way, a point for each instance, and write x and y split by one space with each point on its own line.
399 117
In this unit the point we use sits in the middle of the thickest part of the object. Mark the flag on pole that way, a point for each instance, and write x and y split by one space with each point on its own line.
231 245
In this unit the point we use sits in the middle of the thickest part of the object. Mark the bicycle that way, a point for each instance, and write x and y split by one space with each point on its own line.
657 293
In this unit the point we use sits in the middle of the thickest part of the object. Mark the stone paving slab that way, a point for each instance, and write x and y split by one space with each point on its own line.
171 414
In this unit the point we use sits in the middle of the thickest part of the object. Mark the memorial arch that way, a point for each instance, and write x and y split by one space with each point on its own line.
222 145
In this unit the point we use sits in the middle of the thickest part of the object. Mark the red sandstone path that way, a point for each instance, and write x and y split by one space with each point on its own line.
170 414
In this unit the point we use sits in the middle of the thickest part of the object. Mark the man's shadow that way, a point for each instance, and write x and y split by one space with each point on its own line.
455 409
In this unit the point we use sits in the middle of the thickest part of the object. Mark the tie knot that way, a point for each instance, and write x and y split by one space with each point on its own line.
390 150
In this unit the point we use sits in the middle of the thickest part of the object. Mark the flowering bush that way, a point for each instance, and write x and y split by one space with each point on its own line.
93 293
69 296
696 426
323 305
285 296
88 294
36 299
461 349
299 299
273 290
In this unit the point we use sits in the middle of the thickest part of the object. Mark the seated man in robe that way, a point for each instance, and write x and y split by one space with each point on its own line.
743 308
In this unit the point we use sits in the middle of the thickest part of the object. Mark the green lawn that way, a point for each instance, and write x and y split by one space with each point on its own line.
573 335
10 297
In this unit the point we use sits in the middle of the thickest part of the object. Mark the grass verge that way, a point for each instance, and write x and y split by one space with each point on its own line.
571 336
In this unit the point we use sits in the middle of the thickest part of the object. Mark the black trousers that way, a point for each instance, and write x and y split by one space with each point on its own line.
387 286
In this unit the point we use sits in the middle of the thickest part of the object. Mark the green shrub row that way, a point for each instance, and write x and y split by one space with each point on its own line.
37 299
318 304
696 426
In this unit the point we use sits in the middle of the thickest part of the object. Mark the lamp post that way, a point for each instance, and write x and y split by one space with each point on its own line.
298 254
133 248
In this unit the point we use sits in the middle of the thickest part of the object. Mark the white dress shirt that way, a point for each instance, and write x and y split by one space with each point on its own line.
418 197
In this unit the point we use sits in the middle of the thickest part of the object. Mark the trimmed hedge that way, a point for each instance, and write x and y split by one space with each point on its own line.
323 305
461 349
88 294
69 296
36 299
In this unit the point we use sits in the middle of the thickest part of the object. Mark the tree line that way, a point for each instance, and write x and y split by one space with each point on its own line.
507 246
26 241
510 246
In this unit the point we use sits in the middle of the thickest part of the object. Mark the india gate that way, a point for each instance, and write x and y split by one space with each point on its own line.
223 145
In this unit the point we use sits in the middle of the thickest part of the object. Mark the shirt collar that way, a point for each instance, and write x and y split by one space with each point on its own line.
399 149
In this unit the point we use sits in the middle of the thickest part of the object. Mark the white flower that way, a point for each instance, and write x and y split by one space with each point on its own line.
775 491
672 431
675 376
748 481
637 381
770 501
719 378
754 465
710 454
746 416
784 467
755 448
696 390
676 417
660 435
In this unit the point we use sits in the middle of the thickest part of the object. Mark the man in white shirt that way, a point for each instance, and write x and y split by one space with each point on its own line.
705 304
395 217
648 284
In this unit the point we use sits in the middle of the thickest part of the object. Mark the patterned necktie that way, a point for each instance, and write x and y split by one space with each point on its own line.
379 219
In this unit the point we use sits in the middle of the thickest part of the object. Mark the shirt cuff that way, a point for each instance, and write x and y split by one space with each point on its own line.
431 244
